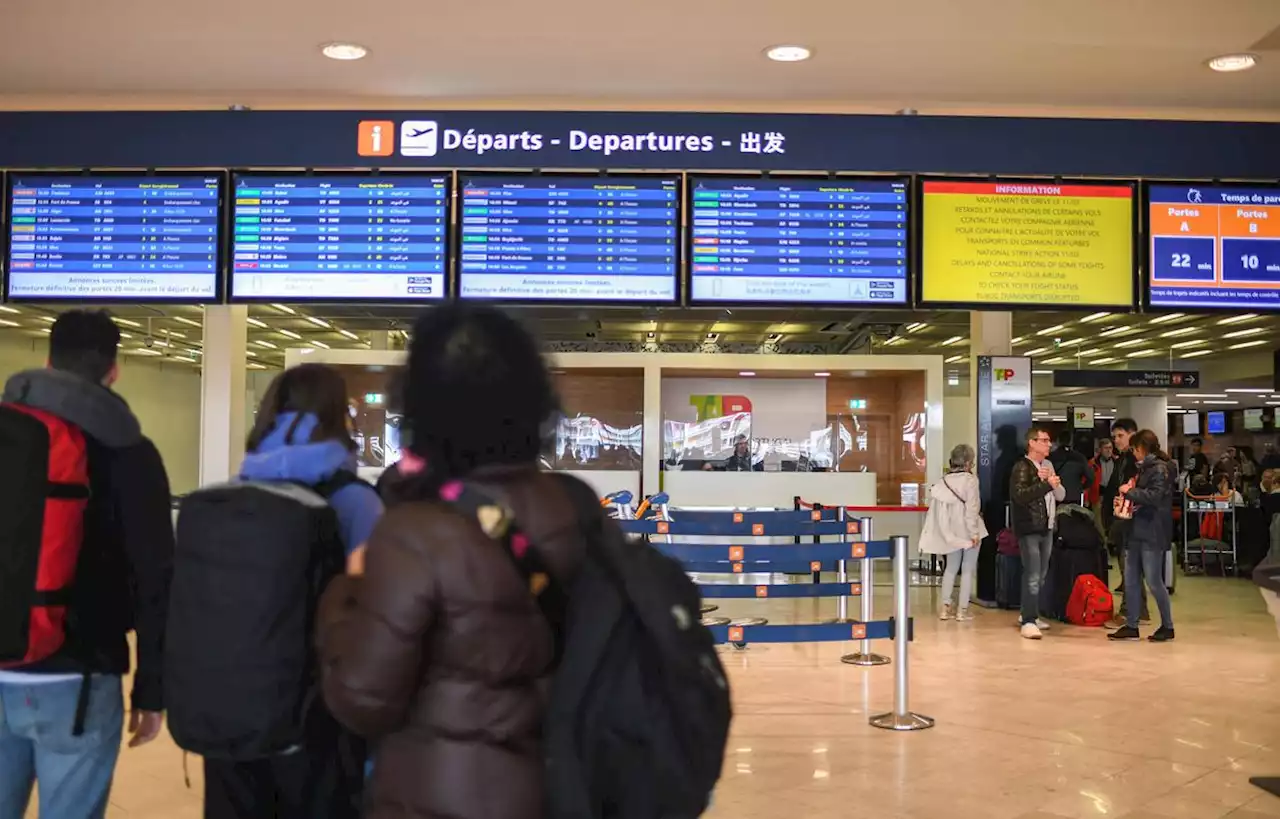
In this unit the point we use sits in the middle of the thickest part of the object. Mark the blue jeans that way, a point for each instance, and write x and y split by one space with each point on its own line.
1036 550
1142 563
36 743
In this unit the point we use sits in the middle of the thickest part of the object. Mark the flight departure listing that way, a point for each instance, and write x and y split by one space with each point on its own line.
1214 246
564 238
1027 243
114 237
340 237
841 241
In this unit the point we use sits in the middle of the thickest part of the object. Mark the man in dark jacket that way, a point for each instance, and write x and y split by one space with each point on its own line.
1072 468
63 717
1034 492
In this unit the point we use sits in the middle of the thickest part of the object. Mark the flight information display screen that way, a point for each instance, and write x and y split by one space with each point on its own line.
1214 246
840 241
87 237
352 237
565 238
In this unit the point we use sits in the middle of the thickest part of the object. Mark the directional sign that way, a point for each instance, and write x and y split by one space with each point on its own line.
1154 379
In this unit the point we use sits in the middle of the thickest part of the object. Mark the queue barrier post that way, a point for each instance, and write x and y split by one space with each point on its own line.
901 717
842 573
864 656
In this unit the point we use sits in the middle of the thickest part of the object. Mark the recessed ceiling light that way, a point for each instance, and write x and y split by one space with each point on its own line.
746 373
344 51
788 53
1233 62
822 375
1244 345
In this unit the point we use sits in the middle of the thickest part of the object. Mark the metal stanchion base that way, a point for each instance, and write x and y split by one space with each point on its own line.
715 621
906 722
864 659
749 621
707 608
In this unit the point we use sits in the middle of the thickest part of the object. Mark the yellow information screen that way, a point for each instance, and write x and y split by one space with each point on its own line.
1029 244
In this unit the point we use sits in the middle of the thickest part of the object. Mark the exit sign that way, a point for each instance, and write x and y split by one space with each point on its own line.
857 403
373 398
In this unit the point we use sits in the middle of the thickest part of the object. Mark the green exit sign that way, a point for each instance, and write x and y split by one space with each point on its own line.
373 398
857 403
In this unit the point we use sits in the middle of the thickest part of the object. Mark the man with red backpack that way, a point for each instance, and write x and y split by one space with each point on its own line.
86 553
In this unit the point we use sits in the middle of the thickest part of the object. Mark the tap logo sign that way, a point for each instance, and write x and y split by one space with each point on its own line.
1004 375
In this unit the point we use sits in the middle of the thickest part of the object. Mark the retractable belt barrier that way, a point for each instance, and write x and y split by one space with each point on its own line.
854 543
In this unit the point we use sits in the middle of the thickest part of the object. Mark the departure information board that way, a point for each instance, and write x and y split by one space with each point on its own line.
565 238
352 237
1214 246
1027 243
87 237
840 241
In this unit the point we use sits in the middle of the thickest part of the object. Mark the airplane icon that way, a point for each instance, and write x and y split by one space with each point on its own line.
419 138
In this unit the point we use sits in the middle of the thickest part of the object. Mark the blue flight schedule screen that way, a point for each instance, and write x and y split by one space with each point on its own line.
838 241
340 237
149 238
561 238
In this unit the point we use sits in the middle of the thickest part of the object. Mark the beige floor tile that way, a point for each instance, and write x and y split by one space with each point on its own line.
1071 726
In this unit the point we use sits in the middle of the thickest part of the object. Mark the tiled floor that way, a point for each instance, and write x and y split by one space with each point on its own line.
1068 727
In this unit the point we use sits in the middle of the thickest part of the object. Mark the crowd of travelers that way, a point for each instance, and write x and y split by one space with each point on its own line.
424 648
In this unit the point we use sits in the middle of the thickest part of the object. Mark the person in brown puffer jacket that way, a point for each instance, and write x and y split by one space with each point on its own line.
433 646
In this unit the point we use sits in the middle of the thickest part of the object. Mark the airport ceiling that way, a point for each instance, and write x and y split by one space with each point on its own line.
1228 348
926 54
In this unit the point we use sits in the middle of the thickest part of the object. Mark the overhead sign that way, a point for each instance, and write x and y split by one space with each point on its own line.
641 139
1082 417
1154 379
1027 243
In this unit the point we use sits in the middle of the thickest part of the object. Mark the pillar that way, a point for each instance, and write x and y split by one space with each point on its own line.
380 340
653 449
989 334
222 392
1149 411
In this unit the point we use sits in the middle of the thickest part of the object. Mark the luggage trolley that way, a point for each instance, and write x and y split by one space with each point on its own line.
1216 515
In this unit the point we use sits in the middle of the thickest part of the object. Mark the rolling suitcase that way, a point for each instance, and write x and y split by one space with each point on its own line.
1008 581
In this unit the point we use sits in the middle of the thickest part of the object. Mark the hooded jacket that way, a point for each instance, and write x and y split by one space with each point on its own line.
126 560
282 457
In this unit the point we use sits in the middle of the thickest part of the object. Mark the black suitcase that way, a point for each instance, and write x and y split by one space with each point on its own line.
1009 581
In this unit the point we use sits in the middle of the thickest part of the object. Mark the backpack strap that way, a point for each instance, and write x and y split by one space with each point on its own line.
499 524
336 482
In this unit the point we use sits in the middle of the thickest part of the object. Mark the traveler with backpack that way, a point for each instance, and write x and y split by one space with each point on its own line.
1151 494
499 640
253 557
1034 492
954 527
84 505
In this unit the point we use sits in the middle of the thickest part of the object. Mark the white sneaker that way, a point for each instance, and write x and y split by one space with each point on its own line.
1042 624
946 613
963 616
1031 631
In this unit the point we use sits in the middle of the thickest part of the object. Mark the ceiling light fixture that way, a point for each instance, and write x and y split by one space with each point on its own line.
1104 361
1195 354
1042 372
344 51
1221 403
257 322
955 359
1249 331
1141 353
284 308
1133 342
788 53
919 325
1093 317
1181 331
822 375
319 322
951 340
1200 395
1229 63
746 373
1037 351
1118 331
1057 328
4 308
349 335
1242 345
266 344
320 344
7 323
1247 390
189 322
1193 343
1239 318
1167 318
288 334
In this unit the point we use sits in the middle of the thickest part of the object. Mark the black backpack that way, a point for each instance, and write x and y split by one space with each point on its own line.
251 560
639 711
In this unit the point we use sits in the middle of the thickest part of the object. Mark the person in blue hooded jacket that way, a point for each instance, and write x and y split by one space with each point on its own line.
302 434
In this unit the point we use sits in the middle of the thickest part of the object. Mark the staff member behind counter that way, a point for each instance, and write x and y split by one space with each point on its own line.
739 461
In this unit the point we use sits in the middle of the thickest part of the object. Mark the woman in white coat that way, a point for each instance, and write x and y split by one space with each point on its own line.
954 527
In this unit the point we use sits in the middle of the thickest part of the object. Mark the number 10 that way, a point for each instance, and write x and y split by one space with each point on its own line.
1249 262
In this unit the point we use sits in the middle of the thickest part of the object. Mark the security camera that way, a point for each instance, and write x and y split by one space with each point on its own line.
149 341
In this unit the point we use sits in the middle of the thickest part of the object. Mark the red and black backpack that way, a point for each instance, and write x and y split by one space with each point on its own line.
44 491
